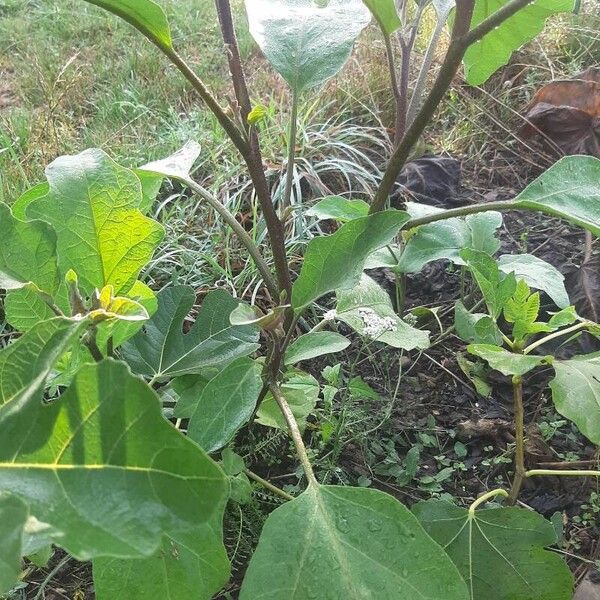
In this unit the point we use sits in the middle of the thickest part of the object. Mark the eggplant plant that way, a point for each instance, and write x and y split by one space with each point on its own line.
93 458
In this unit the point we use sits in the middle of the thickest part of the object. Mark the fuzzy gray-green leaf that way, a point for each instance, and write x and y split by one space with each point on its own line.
306 42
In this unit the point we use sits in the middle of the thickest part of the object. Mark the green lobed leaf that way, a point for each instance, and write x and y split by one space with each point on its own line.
500 552
476 328
385 13
538 274
576 392
93 205
311 345
145 15
193 567
368 309
445 239
335 262
338 209
496 287
569 190
494 50
227 402
563 318
162 349
307 43
19 206
13 516
26 363
187 389
27 253
343 542
104 469
301 391
508 363
28 265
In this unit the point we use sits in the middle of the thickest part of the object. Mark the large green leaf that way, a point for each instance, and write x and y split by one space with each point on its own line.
13 516
145 15
538 274
27 253
508 363
499 551
26 363
306 42
484 57
317 343
194 567
352 543
386 14
576 393
336 261
226 403
568 189
28 265
103 468
368 309
93 205
445 239
162 349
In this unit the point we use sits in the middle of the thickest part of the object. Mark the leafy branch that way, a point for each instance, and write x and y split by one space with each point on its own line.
460 40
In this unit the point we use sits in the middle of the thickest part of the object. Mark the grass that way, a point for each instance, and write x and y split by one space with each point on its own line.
77 77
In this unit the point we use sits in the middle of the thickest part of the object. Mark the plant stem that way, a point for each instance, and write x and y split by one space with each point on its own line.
41 590
233 58
519 440
232 130
268 485
253 158
417 96
484 498
400 103
295 433
250 151
241 233
291 154
561 472
460 41
556 334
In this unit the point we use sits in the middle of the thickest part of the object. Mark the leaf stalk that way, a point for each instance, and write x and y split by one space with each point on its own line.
484 498
292 424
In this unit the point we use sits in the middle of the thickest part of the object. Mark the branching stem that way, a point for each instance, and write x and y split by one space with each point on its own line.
462 37
400 103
